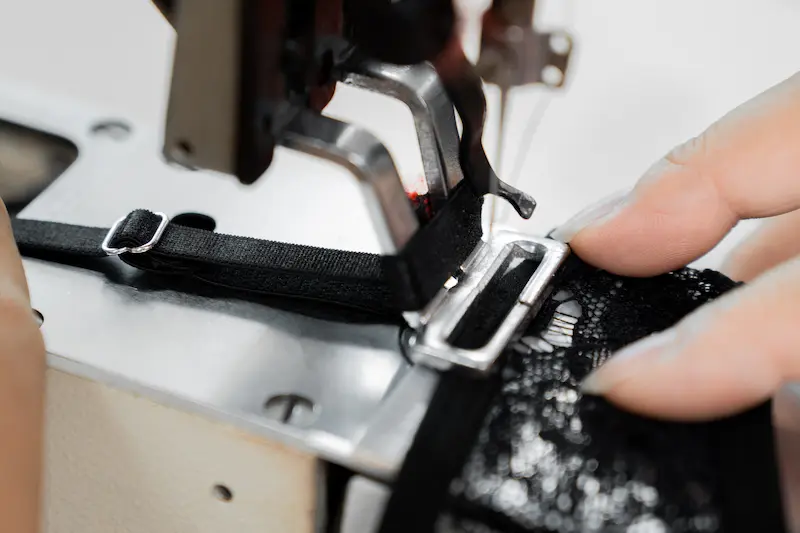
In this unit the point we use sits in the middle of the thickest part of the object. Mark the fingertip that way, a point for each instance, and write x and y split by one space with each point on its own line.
671 218
689 200
592 215
686 380
690 391
683 402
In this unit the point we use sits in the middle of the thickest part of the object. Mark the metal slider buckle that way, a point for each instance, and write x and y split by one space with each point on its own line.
149 245
432 344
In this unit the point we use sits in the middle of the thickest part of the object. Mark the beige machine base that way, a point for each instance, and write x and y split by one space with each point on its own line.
119 463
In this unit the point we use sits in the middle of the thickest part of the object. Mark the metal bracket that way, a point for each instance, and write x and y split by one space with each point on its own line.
419 87
514 53
363 154
432 344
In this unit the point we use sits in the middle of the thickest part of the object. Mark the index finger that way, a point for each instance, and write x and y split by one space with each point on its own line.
747 165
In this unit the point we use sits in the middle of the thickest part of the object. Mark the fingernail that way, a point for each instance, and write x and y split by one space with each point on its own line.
596 213
628 361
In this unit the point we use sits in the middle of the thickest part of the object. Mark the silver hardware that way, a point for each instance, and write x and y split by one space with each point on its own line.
419 87
367 158
431 345
149 245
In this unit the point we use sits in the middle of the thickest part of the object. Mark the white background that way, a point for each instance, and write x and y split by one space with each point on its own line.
645 76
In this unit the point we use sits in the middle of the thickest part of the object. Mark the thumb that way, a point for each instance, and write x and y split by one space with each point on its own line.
729 355
744 166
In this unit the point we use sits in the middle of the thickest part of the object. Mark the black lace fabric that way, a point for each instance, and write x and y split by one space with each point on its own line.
551 460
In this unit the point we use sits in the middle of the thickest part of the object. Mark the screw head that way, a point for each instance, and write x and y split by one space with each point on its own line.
560 43
291 409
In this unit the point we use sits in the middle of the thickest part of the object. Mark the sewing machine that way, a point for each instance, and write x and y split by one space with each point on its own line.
171 411
261 419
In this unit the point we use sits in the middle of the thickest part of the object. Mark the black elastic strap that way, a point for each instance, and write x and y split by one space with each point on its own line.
350 279
436 251
440 449
384 286
455 415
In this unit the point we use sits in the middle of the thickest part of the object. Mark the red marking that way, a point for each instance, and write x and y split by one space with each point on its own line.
421 203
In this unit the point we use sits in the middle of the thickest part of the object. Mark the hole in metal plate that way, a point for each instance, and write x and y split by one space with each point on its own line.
195 220
116 130
30 160
222 493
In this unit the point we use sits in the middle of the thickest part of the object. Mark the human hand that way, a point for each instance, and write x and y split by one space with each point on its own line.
22 376
738 350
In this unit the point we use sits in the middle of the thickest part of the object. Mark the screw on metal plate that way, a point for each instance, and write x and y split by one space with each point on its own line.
291 409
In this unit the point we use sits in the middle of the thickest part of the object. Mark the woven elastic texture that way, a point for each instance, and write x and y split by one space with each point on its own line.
316 281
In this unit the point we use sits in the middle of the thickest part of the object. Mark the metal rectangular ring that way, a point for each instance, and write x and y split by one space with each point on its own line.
149 245
431 345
